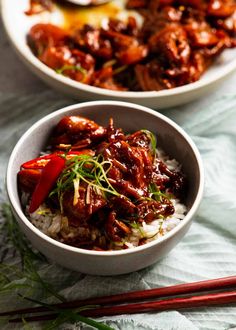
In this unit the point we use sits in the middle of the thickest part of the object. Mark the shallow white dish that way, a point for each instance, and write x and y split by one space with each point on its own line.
170 137
17 24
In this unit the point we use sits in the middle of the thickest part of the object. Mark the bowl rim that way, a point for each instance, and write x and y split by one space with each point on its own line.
17 207
28 56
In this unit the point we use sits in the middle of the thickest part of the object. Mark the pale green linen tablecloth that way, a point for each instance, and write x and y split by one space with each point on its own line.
207 251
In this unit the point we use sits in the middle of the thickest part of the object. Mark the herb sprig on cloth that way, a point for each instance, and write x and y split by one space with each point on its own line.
24 282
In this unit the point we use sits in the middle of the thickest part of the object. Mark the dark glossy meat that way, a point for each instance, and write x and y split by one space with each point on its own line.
86 205
28 179
77 132
177 42
103 191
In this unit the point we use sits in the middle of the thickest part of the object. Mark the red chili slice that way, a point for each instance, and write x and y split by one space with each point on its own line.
41 162
48 178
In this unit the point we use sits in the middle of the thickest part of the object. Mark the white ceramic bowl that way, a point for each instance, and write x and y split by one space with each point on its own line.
17 24
170 137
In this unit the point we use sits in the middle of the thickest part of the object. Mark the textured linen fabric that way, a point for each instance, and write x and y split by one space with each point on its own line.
207 251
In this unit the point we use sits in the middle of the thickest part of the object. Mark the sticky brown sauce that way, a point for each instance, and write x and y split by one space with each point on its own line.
75 17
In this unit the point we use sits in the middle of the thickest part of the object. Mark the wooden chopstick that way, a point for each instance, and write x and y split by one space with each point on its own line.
207 300
187 288
163 305
207 285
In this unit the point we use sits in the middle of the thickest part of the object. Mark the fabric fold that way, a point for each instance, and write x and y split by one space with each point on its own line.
207 251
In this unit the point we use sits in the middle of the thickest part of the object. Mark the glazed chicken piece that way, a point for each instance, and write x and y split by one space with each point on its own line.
76 132
91 40
28 179
54 47
221 8
172 45
104 78
70 62
81 210
127 49
151 210
131 170
41 36
116 229
223 15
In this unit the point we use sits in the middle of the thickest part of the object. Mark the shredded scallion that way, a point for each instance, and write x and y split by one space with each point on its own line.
91 170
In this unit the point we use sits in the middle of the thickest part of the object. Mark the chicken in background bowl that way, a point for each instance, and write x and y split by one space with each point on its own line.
102 189
174 46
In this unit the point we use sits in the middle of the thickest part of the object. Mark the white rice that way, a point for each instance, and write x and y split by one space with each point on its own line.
52 224
157 228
